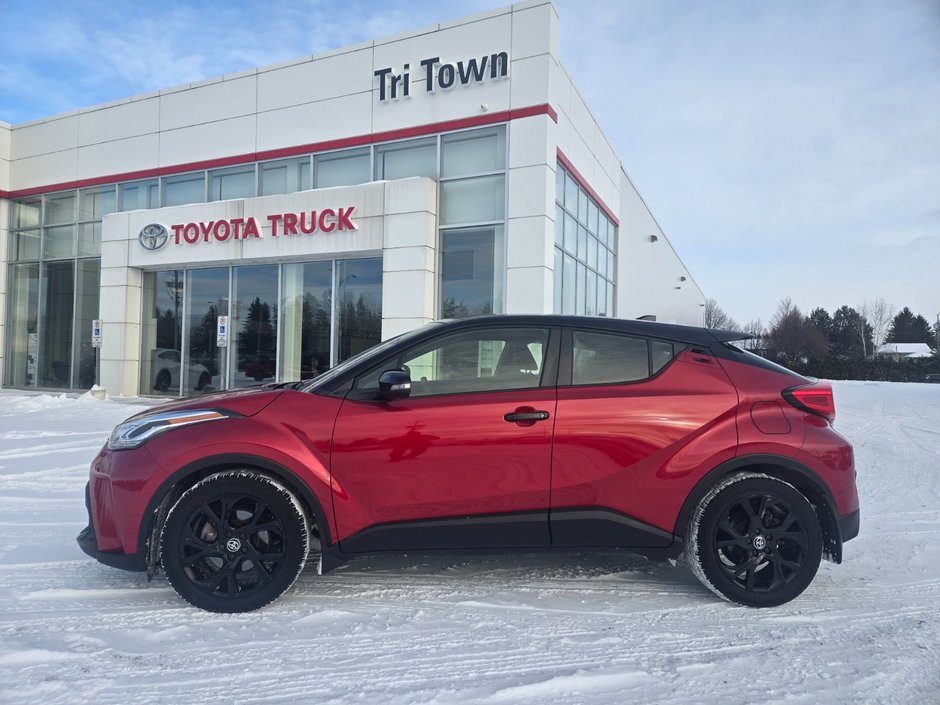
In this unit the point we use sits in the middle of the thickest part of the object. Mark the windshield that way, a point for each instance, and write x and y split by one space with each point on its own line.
346 364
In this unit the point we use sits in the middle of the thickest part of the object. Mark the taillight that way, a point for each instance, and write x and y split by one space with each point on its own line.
815 398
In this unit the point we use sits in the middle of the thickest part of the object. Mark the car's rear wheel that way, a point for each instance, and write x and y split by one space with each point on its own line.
162 382
754 540
234 542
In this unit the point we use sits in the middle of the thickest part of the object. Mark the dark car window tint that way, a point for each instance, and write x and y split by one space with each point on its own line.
661 353
477 361
601 358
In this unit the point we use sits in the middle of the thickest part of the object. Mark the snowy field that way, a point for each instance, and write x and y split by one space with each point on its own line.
607 628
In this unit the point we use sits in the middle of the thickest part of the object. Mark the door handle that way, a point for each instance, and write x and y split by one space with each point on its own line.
523 416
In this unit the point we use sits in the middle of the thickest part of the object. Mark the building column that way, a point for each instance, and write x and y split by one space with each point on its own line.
409 257
4 286
119 310
530 231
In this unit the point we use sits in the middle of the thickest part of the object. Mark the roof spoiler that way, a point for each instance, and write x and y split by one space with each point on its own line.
729 336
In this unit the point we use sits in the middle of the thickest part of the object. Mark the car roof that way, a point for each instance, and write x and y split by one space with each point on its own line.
667 331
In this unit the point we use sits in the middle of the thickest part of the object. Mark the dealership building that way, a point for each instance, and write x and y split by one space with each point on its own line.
265 225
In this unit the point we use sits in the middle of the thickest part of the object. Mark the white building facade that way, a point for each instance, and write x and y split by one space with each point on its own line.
266 225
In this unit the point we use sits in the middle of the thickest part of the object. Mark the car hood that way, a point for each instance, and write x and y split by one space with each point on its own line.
246 402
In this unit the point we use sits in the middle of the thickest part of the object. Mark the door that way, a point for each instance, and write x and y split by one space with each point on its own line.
207 298
464 461
638 422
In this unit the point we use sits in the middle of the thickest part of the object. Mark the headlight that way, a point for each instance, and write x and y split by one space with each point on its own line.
136 432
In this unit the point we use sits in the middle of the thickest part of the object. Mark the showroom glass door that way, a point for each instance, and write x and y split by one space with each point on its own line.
207 297
253 326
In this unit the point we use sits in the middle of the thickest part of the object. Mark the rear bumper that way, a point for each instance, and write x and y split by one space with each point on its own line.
88 542
848 526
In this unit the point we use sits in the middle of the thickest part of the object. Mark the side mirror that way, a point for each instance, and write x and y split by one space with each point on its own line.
394 384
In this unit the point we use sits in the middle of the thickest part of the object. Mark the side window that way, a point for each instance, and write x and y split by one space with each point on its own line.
472 361
606 358
661 354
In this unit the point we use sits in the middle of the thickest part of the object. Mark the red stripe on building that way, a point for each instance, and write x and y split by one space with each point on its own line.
586 186
299 150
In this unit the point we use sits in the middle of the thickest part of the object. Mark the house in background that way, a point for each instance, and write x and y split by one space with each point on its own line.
904 351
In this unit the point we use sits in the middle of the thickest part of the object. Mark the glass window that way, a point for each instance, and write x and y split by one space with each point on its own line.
284 176
185 188
237 182
58 242
24 245
206 299
582 243
22 341
478 361
94 203
89 239
86 310
473 152
582 206
569 306
477 200
305 319
253 326
138 195
590 303
592 252
571 194
358 305
559 266
592 217
469 285
571 234
559 185
661 353
60 208
602 297
161 332
604 358
559 226
58 298
400 160
579 289
26 213
341 168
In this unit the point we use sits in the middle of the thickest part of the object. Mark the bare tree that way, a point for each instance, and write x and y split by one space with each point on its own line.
714 316
755 329
878 314
793 336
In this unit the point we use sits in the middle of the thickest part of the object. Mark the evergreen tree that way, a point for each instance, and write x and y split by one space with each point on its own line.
844 339
823 321
908 328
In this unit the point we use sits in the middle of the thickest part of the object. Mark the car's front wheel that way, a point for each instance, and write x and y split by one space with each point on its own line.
234 542
754 540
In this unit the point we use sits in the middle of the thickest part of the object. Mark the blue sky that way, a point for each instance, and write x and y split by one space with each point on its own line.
786 148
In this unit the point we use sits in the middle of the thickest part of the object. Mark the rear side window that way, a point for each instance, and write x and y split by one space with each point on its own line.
603 358
661 354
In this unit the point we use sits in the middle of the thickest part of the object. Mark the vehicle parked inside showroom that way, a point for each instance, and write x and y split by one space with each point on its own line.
494 433
167 368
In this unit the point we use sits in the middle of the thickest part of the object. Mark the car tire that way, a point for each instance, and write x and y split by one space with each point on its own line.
234 542
162 382
203 382
754 540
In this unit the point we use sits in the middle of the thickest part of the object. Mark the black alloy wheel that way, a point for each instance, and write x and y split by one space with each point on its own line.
755 540
203 381
234 542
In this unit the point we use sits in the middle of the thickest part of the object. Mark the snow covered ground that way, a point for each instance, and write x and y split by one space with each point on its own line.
607 628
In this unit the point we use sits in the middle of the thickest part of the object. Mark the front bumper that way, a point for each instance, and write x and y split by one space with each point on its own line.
88 542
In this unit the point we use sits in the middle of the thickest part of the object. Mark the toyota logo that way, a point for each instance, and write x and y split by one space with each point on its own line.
153 236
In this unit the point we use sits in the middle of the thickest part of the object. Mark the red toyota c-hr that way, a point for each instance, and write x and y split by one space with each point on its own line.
499 432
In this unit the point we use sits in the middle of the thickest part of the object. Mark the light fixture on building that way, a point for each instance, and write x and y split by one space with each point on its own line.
484 107
681 279
653 238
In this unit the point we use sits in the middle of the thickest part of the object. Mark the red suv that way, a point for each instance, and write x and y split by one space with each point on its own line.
492 433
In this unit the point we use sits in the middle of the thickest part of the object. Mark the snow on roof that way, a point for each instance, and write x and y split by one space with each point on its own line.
909 349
